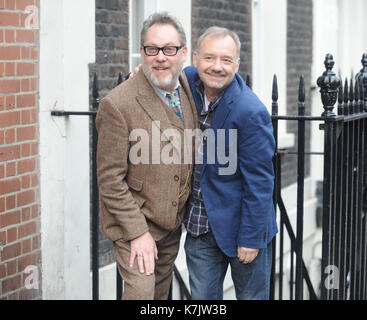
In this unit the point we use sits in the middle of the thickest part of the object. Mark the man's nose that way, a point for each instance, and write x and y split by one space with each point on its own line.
160 56
217 65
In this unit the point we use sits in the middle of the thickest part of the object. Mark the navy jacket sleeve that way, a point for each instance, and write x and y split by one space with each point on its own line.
256 147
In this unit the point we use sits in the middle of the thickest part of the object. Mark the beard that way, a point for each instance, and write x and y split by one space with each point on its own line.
166 82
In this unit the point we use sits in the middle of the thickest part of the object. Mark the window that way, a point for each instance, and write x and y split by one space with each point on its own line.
139 11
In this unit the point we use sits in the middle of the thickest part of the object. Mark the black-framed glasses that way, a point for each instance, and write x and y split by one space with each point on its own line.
167 51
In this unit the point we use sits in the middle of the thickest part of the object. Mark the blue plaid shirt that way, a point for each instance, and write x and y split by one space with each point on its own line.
196 220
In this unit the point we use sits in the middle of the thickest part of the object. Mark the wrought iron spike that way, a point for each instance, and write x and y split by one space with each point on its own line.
346 90
95 92
329 83
301 96
340 95
301 89
351 98
361 97
119 79
346 97
274 96
356 96
351 91
356 90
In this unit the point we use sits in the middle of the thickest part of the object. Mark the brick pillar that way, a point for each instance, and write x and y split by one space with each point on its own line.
19 156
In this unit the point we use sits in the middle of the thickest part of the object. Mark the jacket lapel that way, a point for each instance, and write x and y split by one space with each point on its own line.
154 107
149 100
221 113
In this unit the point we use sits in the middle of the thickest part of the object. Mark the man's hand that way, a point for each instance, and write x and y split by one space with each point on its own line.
145 250
134 72
246 255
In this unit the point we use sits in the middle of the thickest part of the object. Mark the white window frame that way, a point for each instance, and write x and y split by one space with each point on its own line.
149 6
269 57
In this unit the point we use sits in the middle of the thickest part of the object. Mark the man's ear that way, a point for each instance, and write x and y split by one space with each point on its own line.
194 57
184 52
238 65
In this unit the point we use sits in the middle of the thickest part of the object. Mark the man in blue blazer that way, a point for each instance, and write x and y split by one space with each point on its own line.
230 217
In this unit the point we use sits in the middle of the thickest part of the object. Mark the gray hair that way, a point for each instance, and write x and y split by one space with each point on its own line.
219 32
162 18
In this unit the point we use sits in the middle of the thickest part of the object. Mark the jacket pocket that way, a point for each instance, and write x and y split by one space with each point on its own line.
134 183
136 186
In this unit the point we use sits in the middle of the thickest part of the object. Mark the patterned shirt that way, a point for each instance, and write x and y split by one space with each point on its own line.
196 220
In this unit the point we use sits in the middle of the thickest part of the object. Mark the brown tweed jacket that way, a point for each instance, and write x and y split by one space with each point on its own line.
140 197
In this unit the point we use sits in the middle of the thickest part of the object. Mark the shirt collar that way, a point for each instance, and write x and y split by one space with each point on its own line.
162 93
208 106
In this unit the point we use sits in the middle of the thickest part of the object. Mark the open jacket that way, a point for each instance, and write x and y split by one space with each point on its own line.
238 202
145 196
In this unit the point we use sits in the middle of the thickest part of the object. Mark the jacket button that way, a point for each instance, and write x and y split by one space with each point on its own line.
174 203
176 177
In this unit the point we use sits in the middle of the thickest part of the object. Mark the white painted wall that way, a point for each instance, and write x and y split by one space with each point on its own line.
67 46
325 40
352 40
269 57
339 28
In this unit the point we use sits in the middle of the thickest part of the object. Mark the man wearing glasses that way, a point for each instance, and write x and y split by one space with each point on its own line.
143 203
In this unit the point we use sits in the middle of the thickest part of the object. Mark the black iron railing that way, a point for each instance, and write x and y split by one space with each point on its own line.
344 222
345 189
298 270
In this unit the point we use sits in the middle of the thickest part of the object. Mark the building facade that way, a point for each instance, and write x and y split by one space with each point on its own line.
49 51
20 226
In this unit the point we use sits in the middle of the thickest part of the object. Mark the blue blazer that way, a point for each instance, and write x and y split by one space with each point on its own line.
239 203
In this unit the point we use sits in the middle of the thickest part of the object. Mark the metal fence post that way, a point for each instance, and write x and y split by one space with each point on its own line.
276 164
300 189
329 84
95 195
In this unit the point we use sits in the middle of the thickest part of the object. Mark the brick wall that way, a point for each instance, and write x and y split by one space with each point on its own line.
299 62
232 14
19 156
112 42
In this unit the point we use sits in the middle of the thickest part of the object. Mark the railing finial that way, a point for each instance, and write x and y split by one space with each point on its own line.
274 96
329 83
95 92
361 77
119 78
